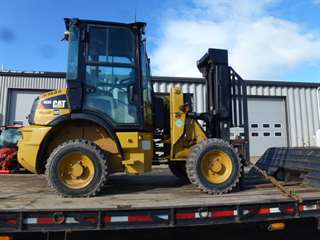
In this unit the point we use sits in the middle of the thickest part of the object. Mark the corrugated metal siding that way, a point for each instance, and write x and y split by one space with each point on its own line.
301 101
26 81
196 89
302 111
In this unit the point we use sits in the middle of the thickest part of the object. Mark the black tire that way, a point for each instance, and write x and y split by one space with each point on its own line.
195 174
96 155
179 170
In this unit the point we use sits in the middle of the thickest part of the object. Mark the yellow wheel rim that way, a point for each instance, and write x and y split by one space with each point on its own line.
76 170
216 166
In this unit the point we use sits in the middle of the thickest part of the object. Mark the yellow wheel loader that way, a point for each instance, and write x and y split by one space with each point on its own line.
109 120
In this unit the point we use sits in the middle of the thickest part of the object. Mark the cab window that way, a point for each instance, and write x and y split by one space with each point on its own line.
110 80
146 86
111 45
72 68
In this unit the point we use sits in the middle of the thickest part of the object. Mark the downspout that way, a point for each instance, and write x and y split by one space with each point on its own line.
318 100
318 130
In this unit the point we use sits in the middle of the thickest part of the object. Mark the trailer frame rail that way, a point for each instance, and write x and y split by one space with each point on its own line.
98 219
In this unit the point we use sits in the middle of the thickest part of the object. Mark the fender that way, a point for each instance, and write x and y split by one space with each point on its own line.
90 117
102 122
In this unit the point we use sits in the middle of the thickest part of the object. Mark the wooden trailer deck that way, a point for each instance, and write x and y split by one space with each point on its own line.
155 190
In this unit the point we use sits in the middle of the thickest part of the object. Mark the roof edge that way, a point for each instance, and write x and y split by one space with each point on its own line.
168 79
33 74
281 83
249 82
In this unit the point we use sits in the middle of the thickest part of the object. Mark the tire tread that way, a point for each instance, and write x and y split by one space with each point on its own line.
193 158
89 146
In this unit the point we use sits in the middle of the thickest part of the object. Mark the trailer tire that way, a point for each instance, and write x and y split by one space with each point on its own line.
179 170
77 168
206 174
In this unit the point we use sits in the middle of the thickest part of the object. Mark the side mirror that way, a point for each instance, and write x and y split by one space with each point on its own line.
66 36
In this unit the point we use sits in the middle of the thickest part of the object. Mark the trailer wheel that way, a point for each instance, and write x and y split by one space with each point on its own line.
179 170
77 168
214 167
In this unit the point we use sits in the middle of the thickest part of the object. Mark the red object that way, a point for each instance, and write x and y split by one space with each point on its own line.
45 220
264 211
226 213
185 215
4 171
8 154
8 158
140 218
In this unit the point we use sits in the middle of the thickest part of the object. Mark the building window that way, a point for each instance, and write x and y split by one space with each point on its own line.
254 125
266 134
277 125
278 134
266 125
255 134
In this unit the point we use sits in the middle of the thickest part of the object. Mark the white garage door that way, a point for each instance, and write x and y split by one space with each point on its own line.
19 105
267 124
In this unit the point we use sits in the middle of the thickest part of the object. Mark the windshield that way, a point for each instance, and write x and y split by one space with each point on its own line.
9 137
72 69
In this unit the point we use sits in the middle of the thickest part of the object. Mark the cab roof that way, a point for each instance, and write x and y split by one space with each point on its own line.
138 25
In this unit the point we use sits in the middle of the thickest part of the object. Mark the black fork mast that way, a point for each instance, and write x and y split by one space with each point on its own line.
214 67
227 105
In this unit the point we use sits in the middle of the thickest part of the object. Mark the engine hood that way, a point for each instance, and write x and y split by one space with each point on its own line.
49 106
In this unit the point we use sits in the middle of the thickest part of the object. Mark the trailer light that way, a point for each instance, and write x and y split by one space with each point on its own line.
276 226
5 238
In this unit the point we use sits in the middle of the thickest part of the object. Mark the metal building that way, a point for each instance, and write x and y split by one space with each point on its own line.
280 113
18 90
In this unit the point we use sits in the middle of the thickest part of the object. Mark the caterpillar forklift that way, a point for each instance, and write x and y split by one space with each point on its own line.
109 120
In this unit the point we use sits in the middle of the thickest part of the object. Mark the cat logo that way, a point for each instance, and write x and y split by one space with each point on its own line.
58 103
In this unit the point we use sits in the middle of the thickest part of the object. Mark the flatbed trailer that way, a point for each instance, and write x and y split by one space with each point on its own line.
156 200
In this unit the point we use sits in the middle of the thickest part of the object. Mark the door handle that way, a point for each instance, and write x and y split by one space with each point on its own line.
131 94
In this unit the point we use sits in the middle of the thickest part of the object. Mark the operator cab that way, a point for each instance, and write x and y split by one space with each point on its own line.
108 73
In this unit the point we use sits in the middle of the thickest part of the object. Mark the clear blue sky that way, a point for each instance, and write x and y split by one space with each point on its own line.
34 28
31 30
